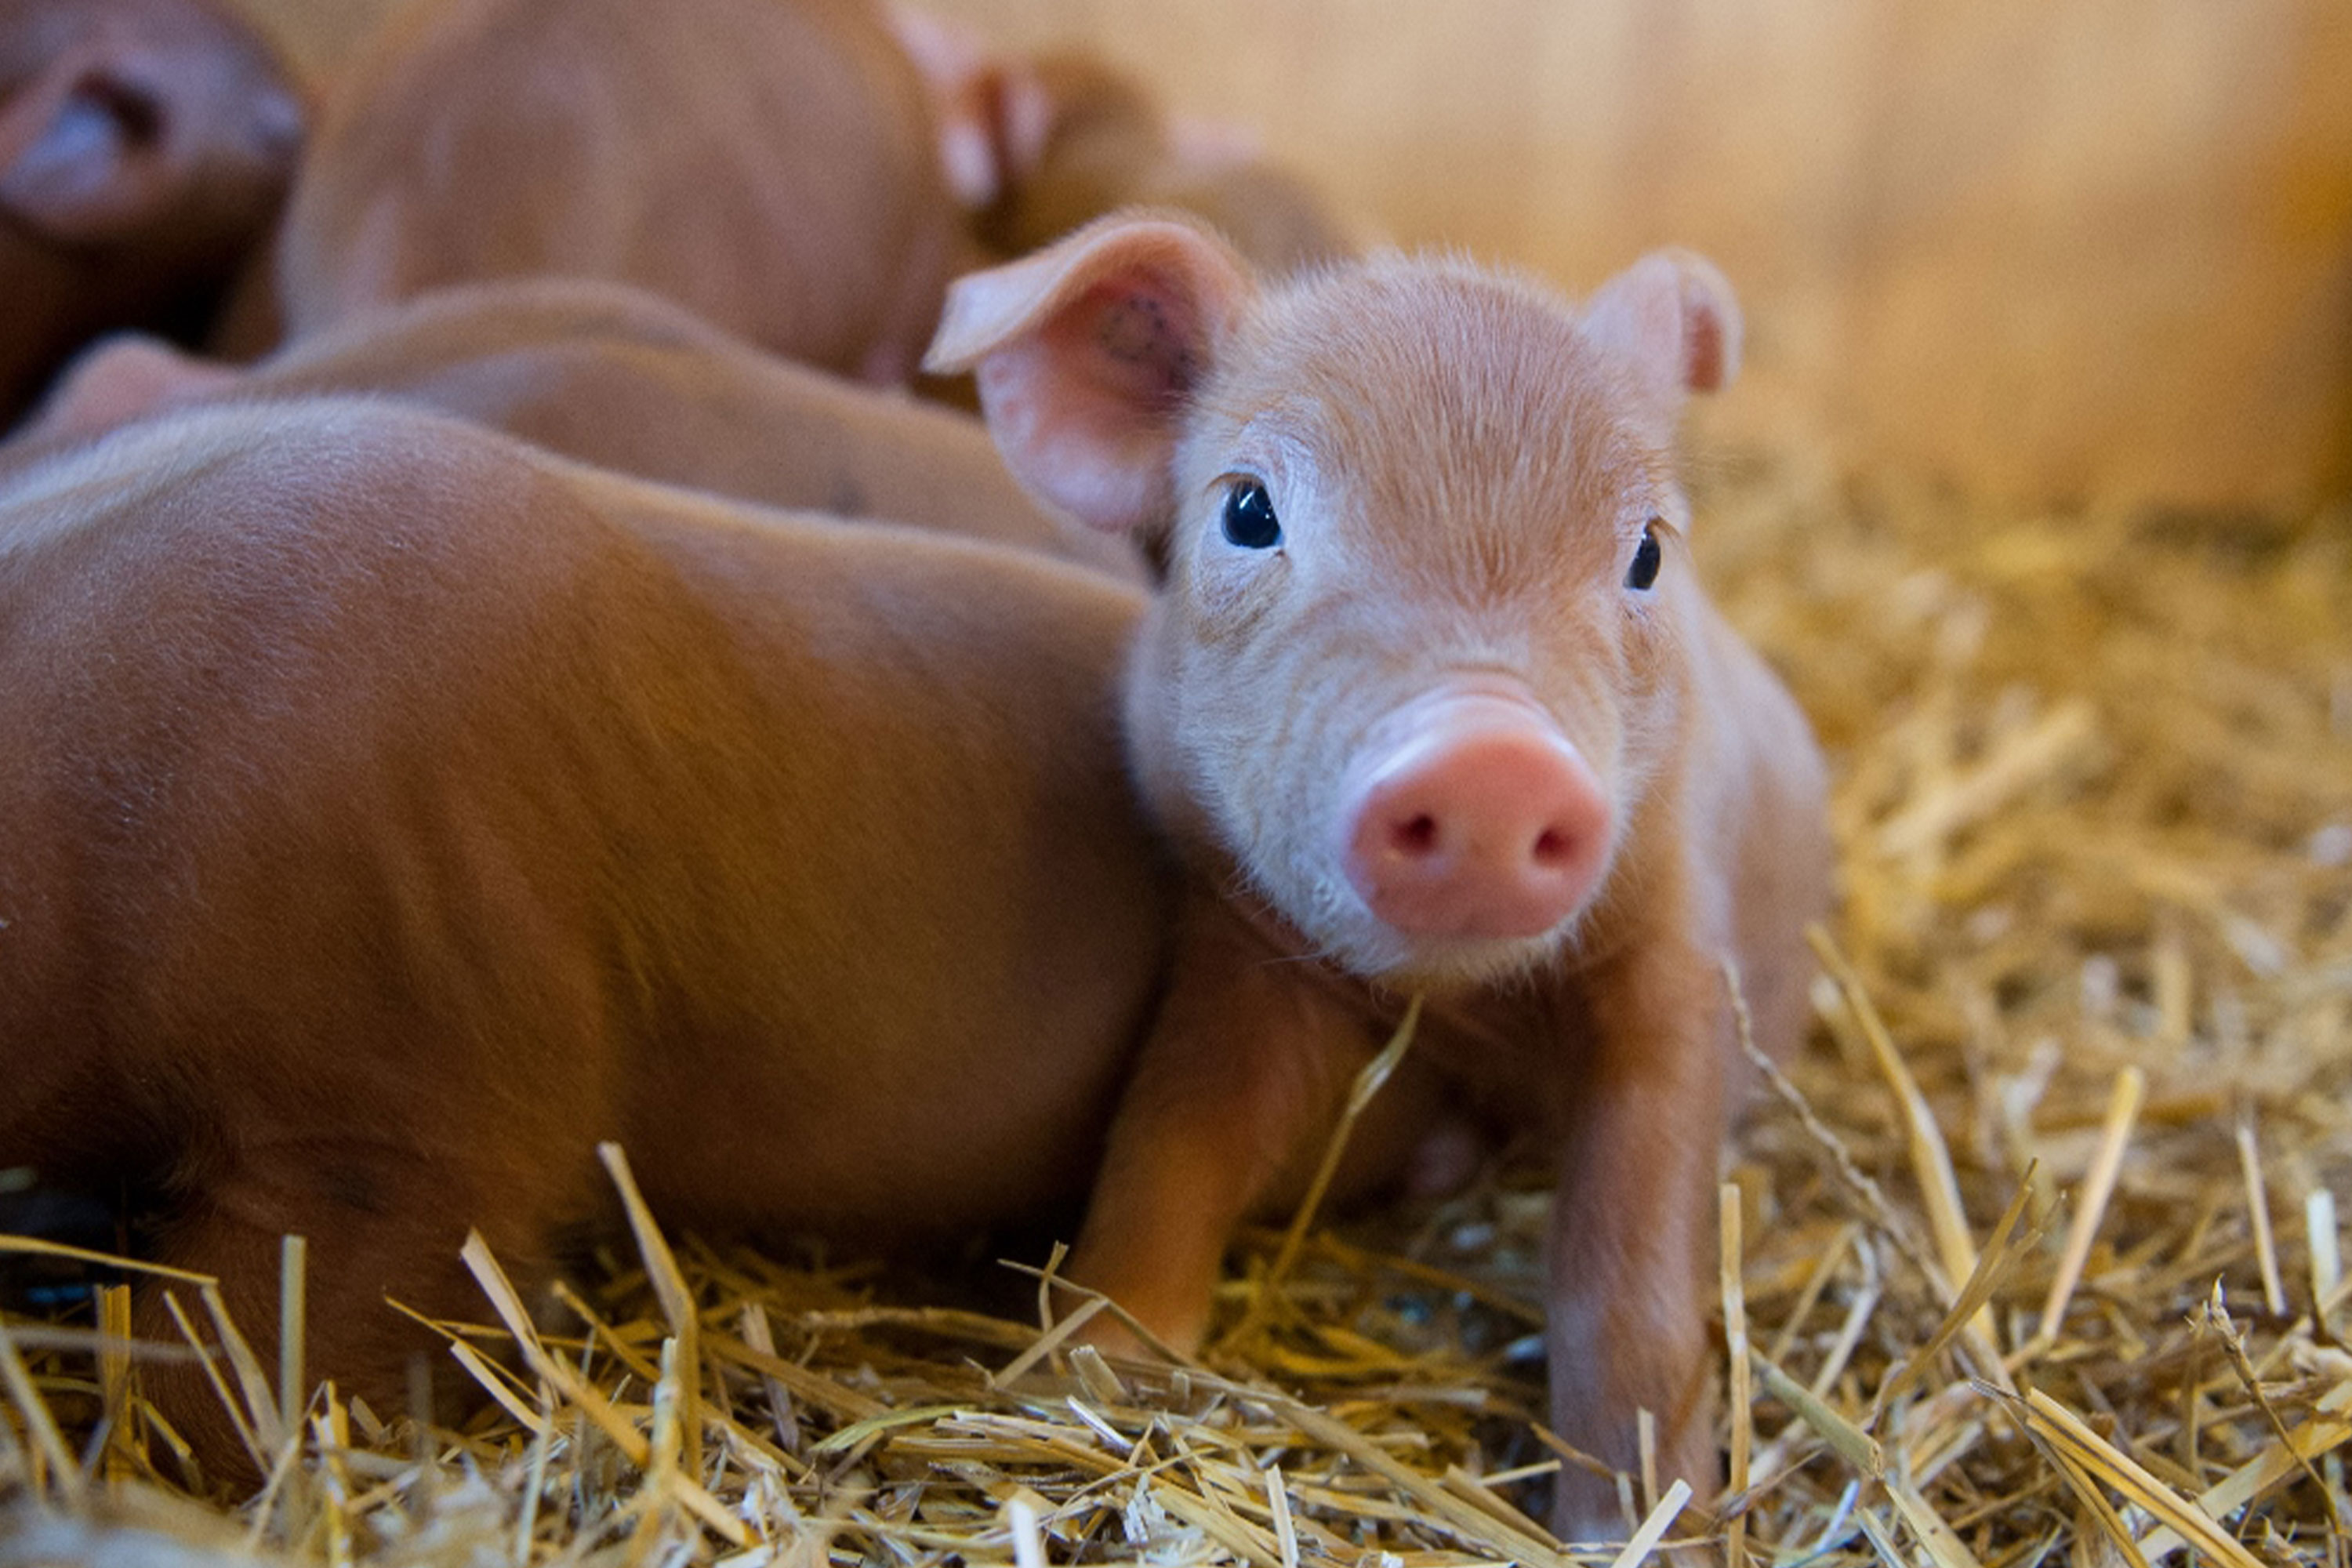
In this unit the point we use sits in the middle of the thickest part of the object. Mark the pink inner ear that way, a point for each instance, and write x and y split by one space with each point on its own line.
1084 410
1703 371
1710 324
1672 319
1138 340
1086 352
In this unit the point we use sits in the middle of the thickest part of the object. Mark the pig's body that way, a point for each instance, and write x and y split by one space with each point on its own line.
624 380
145 146
392 812
1432 684
769 164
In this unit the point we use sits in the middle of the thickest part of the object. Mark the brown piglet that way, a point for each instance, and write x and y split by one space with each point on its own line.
1038 145
626 380
145 147
1431 693
770 164
391 811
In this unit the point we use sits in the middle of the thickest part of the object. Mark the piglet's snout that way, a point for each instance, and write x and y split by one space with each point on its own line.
1475 817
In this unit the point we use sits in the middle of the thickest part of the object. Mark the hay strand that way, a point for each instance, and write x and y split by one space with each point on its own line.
2091 1204
2095 1460
671 1291
117 1413
1730 1260
508 1304
1368 1083
219 1381
1661 1518
1931 1160
2258 1210
49 1443
1991 1268
253 1386
293 1394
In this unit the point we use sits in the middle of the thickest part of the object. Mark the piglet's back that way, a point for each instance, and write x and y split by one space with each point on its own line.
622 379
391 811
767 164
375 729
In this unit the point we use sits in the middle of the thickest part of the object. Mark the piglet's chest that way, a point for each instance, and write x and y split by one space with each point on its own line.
1518 1054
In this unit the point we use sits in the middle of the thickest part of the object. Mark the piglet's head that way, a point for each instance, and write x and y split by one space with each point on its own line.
1420 663
138 121
145 146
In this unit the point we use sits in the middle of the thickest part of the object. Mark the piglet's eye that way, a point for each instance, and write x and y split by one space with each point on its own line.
1250 521
1643 572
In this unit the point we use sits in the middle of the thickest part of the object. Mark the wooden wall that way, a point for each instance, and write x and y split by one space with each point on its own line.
2050 247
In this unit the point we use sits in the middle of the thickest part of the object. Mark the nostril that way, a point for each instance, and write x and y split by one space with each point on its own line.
1417 835
1480 821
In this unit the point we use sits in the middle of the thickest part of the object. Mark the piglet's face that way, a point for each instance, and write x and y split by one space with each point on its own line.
1418 659
145 148
161 125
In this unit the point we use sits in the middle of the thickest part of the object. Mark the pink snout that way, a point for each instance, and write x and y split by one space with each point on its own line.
1479 819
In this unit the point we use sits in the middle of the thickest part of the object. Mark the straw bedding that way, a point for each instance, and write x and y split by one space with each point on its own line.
2032 1255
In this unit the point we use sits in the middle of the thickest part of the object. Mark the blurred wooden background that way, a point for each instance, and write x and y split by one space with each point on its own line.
2050 247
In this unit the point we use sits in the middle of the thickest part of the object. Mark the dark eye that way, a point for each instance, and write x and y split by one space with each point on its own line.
1644 570
1250 521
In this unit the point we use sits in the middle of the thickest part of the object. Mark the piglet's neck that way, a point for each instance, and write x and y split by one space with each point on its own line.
1481 1018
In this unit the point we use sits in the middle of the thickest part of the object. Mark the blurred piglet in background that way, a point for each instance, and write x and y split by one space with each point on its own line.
1040 145
769 164
145 147
612 375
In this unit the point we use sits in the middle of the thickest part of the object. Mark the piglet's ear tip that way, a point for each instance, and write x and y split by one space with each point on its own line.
971 325
985 310
1672 318
945 356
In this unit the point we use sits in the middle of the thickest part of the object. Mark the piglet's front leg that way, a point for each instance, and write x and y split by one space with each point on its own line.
1644 1119
1232 1099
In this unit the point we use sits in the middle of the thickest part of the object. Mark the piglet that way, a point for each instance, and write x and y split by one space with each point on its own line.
1039 145
1433 694
625 380
769 164
390 811
145 146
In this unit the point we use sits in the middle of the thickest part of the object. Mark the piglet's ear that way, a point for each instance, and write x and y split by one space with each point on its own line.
1087 353
1671 320
121 379
991 115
